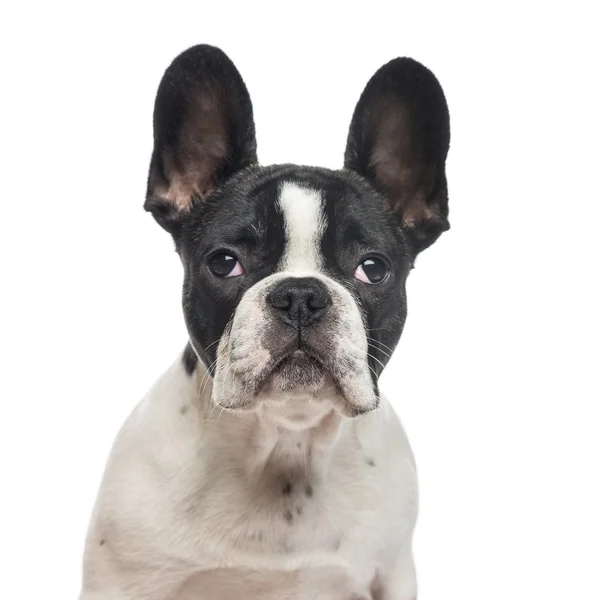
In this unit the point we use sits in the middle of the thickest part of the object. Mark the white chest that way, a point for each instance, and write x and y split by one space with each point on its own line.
289 520
201 508
290 509
292 533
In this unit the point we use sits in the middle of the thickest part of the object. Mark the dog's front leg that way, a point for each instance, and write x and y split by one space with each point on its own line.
111 594
105 581
133 591
400 582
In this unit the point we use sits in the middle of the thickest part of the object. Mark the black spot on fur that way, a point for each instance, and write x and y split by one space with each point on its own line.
102 542
337 544
189 360
287 489
298 444
288 516
298 510
183 410
370 462
309 492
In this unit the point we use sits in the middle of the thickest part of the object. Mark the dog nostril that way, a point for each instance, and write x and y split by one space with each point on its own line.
280 301
317 302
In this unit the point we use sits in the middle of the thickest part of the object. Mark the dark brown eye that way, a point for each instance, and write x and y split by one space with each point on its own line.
223 264
372 271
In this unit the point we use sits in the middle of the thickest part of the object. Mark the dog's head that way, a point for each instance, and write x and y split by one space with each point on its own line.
295 276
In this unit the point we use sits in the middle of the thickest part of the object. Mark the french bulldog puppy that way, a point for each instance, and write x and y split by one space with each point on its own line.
265 463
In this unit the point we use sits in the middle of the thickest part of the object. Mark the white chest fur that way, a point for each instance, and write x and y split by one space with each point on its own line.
201 504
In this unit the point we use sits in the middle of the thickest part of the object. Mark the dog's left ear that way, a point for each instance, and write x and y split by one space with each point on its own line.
399 139
203 133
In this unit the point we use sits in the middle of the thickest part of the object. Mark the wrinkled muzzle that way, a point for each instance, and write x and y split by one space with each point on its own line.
295 337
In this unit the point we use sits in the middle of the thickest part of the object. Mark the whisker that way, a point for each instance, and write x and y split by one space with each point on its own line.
205 379
210 345
214 407
379 342
378 361
380 350
372 370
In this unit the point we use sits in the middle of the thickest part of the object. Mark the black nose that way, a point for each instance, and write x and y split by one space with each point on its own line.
300 301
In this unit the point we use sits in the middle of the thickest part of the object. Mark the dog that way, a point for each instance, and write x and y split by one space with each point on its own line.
265 463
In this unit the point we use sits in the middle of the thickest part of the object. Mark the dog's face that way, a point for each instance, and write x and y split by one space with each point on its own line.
295 277
288 272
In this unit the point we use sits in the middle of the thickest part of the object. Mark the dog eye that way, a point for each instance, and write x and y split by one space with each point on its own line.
225 265
372 270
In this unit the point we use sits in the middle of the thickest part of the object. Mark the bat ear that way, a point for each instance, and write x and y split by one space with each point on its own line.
399 139
203 132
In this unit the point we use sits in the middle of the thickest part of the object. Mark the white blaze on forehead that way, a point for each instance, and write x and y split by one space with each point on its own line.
304 220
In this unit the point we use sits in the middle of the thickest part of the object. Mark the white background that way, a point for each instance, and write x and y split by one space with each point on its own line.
495 377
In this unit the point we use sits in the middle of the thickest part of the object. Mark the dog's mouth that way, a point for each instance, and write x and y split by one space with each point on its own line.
304 373
299 364
299 369
321 368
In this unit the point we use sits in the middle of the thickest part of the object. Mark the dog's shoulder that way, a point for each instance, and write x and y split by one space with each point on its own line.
156 449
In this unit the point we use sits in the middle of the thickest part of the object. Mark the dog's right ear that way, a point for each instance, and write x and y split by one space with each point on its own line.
203 133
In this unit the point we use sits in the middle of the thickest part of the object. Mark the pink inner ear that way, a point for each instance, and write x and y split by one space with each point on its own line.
360 274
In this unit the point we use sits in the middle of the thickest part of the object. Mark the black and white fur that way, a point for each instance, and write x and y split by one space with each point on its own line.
265 463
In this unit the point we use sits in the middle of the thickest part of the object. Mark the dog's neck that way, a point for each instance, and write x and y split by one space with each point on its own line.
282 436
